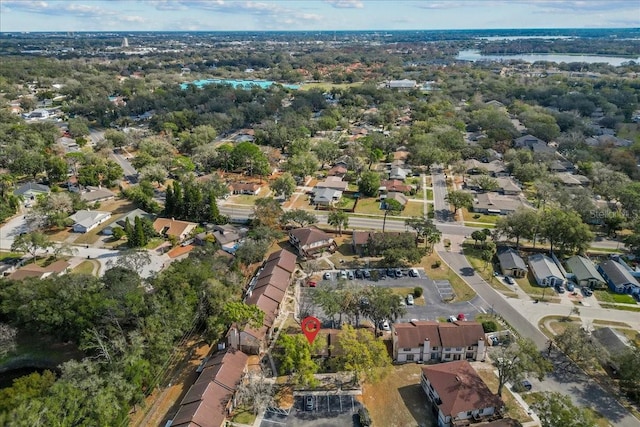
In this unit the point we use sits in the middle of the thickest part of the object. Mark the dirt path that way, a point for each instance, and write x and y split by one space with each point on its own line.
163 404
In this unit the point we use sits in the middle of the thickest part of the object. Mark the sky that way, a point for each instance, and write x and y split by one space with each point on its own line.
314 15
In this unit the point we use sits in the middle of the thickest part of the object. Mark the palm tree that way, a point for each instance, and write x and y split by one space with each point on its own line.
393 207
339 219
433 237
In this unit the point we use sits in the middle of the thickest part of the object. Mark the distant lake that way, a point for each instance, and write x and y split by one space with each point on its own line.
475 55
244 84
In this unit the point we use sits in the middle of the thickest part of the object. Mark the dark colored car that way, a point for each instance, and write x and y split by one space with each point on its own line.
363 417
359 274
308 403
366 274
586 291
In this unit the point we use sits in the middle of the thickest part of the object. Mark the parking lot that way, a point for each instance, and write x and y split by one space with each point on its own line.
436 295
324 410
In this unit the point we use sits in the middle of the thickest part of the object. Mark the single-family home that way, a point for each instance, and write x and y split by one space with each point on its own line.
311 241
31 190
326 196
498 204
394 195
250 188
618 277
527 141
425 341
394 185
334 182
211 398
398 173
229 236
96 194
612 344
494 168
56 268
545 271
585 273
511 263
403 84
507 186
170 227
85 220
131 216
458 394
338 170
572 180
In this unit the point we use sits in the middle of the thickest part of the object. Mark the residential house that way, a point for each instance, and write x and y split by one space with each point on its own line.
495 168
507 186
395 185
398 173
131 216
612 344
618 277
545 271
339 170
424 341
458 395
360 240
85 220
334 182
170 227
311 241
56 268
250 188
31 190
229 236
497 204
326 196
401 154
96 194
394 195
572 180
585 273
561 166
211 398
527 141
511 264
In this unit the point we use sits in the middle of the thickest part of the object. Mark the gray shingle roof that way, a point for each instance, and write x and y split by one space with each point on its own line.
510 259
543 266
617 274
583 268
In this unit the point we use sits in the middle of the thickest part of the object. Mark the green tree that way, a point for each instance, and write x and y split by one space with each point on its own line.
369 183
359 352
459 199
295 357
78 127
298 218
628 364
339 219
519 358
252 251
556 409
577 344
56 169
31 243
284 185
564 230
391 207
267 211
520 224
327 151
26 388
248 157
424 227
478 236
243 316
382 304
302 164
485 183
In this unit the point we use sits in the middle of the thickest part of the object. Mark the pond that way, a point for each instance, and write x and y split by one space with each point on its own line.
6 378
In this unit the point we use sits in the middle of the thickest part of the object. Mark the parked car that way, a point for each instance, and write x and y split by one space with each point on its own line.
526 384
451 319
366 274
570 287
494 340
359 274
414 272
385 325
461 317
350 275
509 280
587 292
560 289
382 274
309 403
398 272
311 284
343 274
326 276
391 272
409 299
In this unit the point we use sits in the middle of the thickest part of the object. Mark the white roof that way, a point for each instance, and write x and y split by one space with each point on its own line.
87 218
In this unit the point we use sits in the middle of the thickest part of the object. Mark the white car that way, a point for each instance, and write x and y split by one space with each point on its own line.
414 272
343 274
327 276
409 299
385 326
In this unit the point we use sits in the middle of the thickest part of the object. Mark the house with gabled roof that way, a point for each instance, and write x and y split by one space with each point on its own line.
458 395
492 203
508 186
585 272
31 190
86 220
545 271
56 268
511 263
96 194
170 227
389 185
619 279
333 182
311 241
428 341
326 196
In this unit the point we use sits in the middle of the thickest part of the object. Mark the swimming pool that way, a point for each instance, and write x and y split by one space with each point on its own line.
242 84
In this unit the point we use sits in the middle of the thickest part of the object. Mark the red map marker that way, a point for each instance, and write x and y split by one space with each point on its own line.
310 328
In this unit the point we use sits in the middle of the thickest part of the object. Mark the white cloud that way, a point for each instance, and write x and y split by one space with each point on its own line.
346 4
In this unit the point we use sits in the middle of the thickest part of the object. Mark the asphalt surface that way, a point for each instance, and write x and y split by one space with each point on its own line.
328 410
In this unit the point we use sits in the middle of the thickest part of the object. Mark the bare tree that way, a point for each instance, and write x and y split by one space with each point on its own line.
7 339
255 392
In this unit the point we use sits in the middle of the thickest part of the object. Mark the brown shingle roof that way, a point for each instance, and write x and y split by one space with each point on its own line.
284 259
460 388
413 334
268 291
460 334
308 235
275 276
173 226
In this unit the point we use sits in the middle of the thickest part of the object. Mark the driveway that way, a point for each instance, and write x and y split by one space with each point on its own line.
329 410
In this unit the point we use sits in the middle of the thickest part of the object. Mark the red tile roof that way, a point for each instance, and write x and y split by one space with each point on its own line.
460 388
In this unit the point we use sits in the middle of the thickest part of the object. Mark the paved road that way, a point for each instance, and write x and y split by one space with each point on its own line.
442 212
129 171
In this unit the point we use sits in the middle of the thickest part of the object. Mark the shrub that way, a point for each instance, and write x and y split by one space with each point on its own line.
489 326
436 264
417 292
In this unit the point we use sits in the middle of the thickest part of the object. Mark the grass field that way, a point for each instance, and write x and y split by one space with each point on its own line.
413 209
398 400
477 217
513 408
85 267
485 270
608 296
620 307
326 86
369 205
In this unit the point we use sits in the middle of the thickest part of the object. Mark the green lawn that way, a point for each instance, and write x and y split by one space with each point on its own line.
242 415
477 217
369 205
243 199
326 86
413 209
4 255
485 270
608 296
85 267
620 307
346 203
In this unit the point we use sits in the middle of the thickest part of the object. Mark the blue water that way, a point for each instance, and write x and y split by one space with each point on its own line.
242 84
475 55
